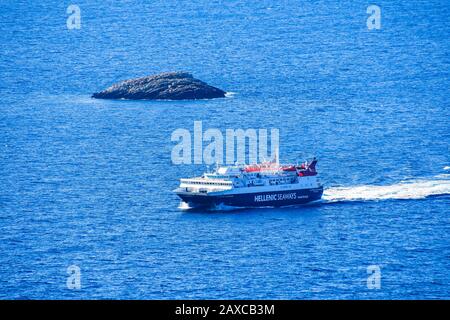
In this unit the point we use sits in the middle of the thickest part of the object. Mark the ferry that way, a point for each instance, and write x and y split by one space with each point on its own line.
268 184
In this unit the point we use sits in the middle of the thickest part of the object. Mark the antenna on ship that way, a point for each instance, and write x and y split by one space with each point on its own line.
277 155
297 161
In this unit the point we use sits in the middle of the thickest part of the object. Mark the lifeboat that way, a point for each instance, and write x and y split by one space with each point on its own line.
262 167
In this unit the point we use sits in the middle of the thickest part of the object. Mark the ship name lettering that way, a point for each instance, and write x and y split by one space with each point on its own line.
275 197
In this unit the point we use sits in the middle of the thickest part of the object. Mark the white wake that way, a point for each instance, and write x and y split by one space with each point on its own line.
417 189
230 94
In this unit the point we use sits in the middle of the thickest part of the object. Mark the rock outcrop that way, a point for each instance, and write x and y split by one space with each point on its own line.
164 86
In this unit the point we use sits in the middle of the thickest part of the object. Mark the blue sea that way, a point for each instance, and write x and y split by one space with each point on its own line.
87 183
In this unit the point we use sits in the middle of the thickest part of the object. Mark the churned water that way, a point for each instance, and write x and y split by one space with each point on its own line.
88 182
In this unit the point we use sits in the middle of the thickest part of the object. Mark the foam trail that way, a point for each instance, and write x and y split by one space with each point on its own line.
184 206
418 189
447 168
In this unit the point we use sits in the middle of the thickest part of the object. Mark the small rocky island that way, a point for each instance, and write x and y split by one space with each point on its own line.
164 86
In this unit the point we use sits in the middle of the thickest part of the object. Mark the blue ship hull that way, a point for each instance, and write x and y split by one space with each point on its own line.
249 200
